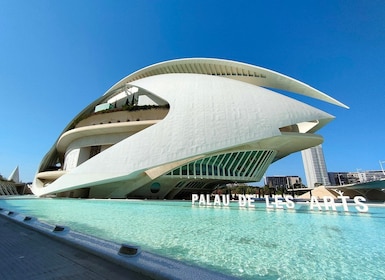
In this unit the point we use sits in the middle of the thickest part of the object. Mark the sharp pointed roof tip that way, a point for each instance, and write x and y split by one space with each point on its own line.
14 175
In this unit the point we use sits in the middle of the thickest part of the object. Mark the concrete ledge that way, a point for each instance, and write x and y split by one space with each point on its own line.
128 256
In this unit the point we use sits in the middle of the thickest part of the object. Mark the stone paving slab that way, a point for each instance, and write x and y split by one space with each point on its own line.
30 249
27 254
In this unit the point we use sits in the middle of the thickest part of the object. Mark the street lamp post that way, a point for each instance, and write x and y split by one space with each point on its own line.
339 178
382 168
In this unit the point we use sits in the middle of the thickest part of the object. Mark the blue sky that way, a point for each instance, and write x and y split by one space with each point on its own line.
58 56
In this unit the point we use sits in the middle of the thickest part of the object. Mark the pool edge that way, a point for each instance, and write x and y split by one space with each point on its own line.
145 263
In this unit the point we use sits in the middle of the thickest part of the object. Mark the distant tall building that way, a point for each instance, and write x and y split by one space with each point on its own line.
315 166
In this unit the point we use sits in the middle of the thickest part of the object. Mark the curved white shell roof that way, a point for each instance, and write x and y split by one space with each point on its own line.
230 69
215 106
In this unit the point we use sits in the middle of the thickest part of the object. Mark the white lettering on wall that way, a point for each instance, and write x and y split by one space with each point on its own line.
360 206
328 203
205 200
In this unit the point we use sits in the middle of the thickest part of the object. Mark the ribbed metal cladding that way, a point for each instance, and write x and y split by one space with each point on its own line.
241 165
198 68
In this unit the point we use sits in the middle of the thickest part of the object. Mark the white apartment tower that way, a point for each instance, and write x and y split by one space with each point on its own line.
315 166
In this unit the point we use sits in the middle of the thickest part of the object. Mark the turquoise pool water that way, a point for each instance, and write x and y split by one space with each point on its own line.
255 243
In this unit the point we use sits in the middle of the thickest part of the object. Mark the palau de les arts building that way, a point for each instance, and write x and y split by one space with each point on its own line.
181 127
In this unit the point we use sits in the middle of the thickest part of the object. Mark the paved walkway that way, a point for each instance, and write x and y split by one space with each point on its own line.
27 254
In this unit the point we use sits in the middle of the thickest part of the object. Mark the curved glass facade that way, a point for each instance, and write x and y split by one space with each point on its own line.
241 165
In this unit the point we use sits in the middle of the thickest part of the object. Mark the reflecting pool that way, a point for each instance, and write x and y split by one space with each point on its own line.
255 243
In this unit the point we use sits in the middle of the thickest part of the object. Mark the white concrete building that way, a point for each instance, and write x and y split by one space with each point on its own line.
315 167
180 127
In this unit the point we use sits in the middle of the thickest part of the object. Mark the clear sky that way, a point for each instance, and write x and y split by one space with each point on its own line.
56 57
